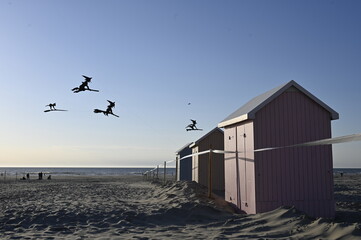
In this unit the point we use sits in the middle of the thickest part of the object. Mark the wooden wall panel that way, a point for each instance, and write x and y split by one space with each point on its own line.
216 139
293 175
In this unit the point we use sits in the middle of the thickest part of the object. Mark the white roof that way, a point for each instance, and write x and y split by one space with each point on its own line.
248 110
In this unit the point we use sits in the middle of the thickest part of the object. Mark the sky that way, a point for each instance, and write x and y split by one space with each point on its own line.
153 58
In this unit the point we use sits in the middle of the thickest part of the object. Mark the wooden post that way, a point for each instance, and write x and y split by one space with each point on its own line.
210 172
176 168
157 172
165 171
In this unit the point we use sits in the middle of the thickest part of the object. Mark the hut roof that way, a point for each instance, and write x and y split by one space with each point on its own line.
248 110
205 136
184 147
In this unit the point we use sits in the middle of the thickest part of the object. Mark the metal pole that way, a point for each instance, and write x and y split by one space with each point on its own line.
165 170
210 172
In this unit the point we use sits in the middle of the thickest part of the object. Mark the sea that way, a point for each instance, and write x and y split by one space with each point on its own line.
19 171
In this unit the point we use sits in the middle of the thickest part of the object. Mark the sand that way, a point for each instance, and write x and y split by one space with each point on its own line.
127 207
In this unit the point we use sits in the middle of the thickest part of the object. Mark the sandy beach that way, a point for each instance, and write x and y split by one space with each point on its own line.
127 207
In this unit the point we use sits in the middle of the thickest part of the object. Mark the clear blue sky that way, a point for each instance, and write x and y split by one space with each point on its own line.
152 58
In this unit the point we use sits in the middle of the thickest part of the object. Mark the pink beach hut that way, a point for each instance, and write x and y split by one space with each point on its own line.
260 181
200 166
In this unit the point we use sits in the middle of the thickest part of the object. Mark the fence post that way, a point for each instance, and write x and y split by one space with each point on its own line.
157 172
165 171
210 172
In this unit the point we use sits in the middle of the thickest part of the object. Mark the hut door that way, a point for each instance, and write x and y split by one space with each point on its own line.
246 167
195 176
231 177
242 165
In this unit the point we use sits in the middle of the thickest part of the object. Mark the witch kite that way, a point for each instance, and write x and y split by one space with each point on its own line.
108 110
84 85
192 126
52 108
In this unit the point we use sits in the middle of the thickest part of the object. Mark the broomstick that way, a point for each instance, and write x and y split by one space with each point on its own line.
104 112
50 110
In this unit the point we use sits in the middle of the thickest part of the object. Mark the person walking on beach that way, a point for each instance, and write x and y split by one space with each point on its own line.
28 176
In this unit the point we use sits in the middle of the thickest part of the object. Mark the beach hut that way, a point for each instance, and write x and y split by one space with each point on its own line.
200 166
185 165
260 181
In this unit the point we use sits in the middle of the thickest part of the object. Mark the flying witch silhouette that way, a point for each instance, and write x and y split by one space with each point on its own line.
84 85
108 110
192 126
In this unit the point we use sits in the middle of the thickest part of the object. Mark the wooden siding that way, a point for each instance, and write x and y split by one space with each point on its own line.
185 165
200 163
300 177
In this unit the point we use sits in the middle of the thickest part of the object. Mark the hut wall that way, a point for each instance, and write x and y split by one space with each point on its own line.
200 163
185 165
300 177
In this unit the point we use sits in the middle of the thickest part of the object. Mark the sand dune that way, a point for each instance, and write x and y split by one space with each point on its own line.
129 208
